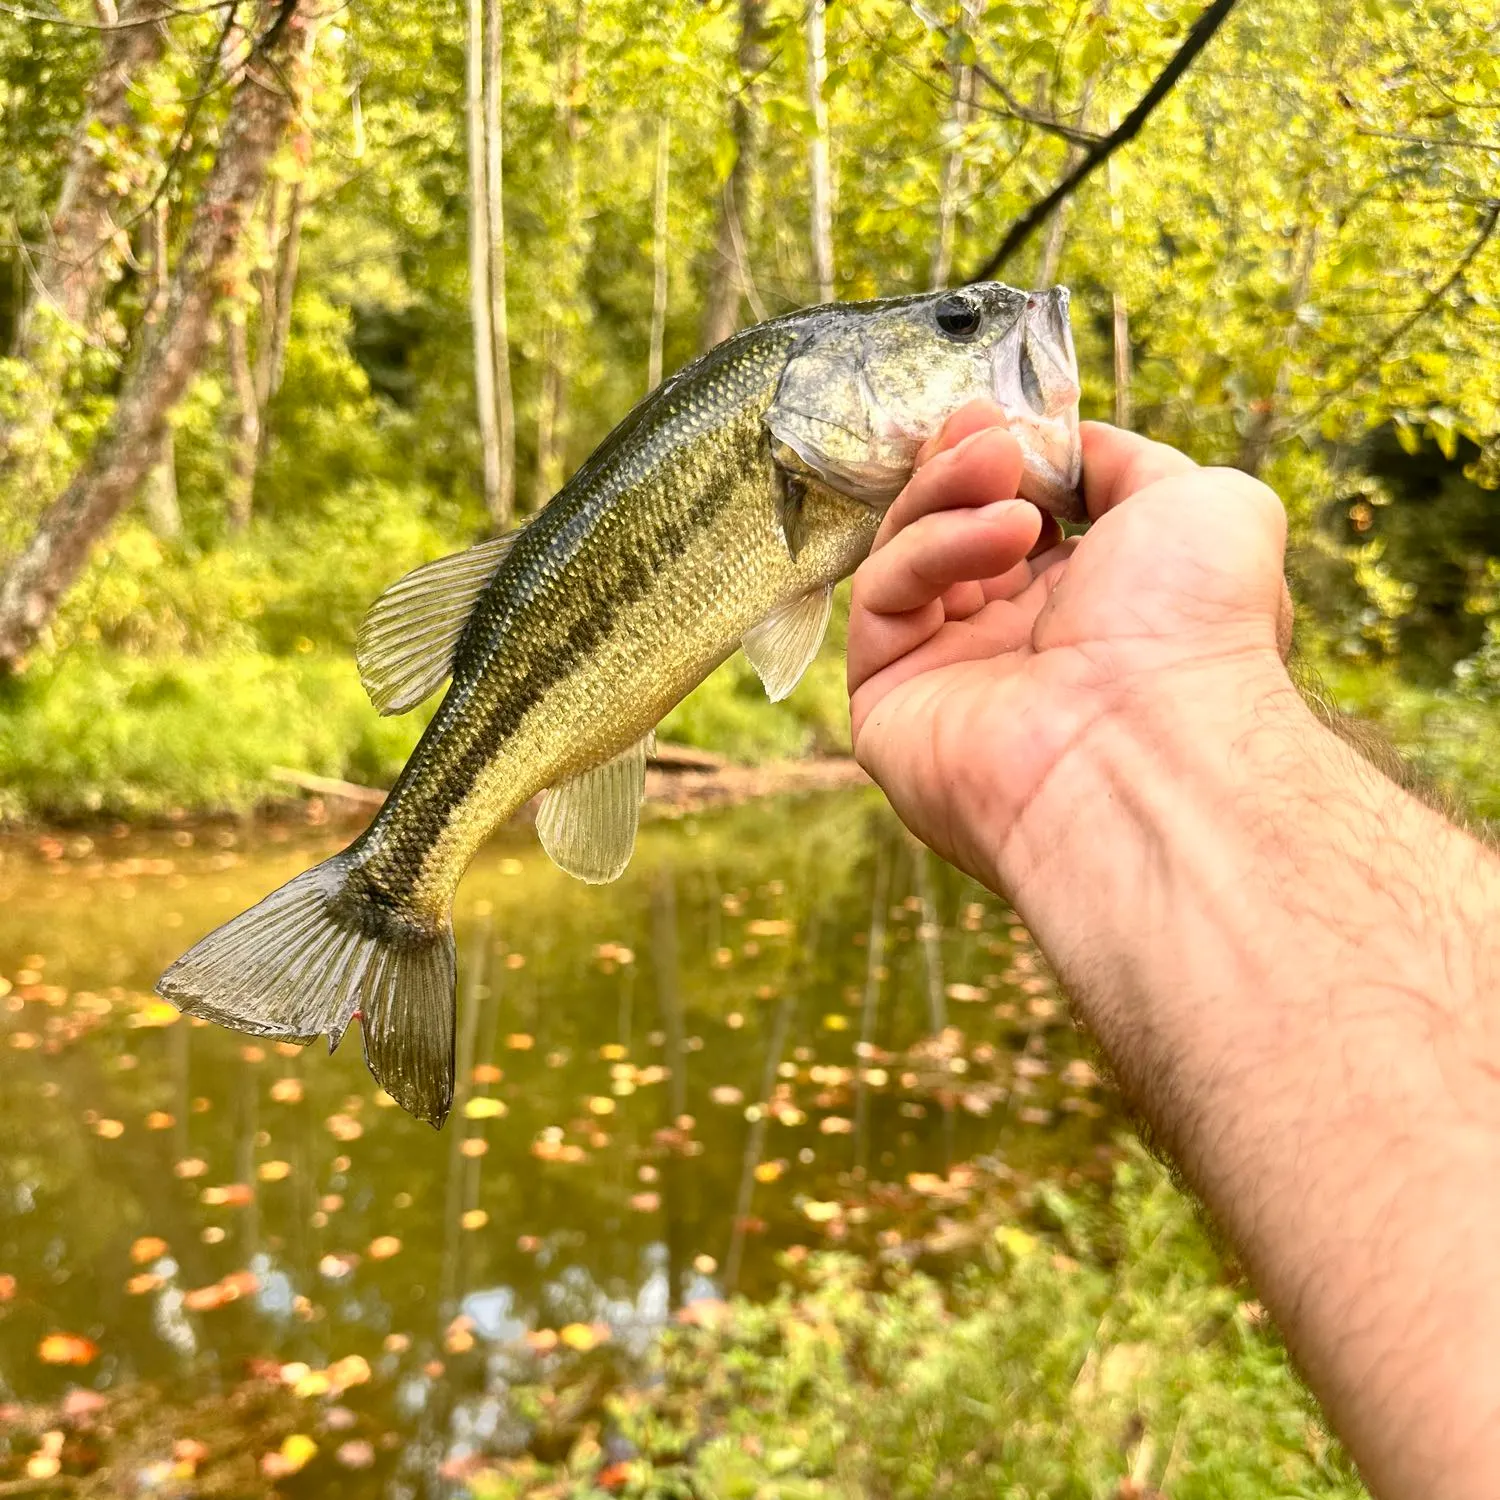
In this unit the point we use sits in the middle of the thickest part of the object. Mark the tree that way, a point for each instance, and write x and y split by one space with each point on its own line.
502 510
88 232
265 98
739 200
819 169
480 305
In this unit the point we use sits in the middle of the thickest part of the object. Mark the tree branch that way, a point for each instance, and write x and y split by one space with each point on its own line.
1193 43
1487 226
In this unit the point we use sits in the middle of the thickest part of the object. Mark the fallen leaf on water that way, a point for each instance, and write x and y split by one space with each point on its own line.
582 1337
966 993
155 1013
836 1125
148 1247
485 1109
294 1454
705 1265
520 1041
43 1466
601 1104
768 927
159 1119
274 1171
475 1218
344 1127
67 1349
109 1130
190 1166
487 1073
79 1403
542 1340
356 1454
397 1343
383 1247
835 1022
147 1281
459 1338
645 1203
726 1094
612 1052
7 1287
352 1369
820 1212
335 1267
769 1171
230 1195
287 1090
475 1145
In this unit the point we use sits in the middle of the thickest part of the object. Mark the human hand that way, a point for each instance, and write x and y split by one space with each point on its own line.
984 659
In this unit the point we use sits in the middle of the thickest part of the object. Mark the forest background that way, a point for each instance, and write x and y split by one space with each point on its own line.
296 297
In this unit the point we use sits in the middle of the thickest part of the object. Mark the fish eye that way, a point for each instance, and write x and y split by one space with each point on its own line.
958 318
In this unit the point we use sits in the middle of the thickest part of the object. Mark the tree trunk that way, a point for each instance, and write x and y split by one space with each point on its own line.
950 173
1057 230
1120 322
163 514
494 139
551 421
244 439
659 254
739 203
479 264
87 247
820 172
278 291
262 104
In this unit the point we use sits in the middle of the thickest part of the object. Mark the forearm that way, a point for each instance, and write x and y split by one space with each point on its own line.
1295 970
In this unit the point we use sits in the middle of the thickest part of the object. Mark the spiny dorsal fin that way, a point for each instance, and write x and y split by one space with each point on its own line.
782 646
587 825
406 642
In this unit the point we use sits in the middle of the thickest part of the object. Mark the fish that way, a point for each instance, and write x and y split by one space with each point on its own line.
718 515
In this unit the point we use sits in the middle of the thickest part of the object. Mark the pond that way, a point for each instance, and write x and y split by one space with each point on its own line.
787 1027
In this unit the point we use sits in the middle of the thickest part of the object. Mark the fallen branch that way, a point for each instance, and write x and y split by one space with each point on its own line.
329 786
1193 43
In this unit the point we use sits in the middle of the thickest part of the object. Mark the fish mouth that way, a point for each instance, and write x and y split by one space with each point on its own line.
1034 376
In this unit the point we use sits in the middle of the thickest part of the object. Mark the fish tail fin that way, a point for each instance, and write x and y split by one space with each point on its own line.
315 954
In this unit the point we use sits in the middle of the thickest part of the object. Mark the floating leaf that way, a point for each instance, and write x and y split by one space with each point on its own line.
819 1212
190 1166
356 1454
645 1203
485 1109
109 1130
487 1073
287 1090
769 1171
474 1218
542 1340
475 1145
274 1171
581 1337
836 1125
159 1119
344 1127
148 1247
67 1349
147 1281
230 1195
383 1247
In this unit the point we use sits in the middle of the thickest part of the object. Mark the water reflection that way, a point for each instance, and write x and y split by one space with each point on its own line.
786 1027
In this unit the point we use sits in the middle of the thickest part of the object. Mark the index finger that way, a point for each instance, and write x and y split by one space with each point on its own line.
1117 464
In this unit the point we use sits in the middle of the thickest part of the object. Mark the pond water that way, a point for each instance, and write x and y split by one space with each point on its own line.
786 1028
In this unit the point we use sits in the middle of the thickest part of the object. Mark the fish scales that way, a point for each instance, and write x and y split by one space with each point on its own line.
720 512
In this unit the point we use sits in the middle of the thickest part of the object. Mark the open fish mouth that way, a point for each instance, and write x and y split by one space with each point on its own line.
1034 377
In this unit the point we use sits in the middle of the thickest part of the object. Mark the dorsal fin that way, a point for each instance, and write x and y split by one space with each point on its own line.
782 646
405 644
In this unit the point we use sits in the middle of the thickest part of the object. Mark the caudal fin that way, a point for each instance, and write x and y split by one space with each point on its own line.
310 958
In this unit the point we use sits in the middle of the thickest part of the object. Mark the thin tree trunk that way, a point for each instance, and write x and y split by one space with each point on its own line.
244 442
163 514
551 420
950 172
505 405
739 202
479 263
1120 319
276 308
820 171
263 103
1057 230
1261 432
659 254
86 246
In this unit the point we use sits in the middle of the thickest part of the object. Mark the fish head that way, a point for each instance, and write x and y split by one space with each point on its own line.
869 383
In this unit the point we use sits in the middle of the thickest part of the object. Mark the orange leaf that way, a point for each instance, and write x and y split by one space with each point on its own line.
67 1349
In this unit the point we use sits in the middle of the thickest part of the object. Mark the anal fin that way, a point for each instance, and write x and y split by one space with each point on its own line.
782 646
587 825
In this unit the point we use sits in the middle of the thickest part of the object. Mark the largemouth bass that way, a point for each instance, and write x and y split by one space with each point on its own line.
719 514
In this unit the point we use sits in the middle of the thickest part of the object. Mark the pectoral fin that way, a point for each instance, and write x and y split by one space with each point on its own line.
406 643
587 825
783 645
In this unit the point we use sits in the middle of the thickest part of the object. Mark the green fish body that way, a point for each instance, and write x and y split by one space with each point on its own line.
718 514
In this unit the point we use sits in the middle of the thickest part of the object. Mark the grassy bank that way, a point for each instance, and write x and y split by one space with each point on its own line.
1108 1356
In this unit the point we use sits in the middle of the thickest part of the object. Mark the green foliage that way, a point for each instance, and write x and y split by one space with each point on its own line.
1295 236
1037 1374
